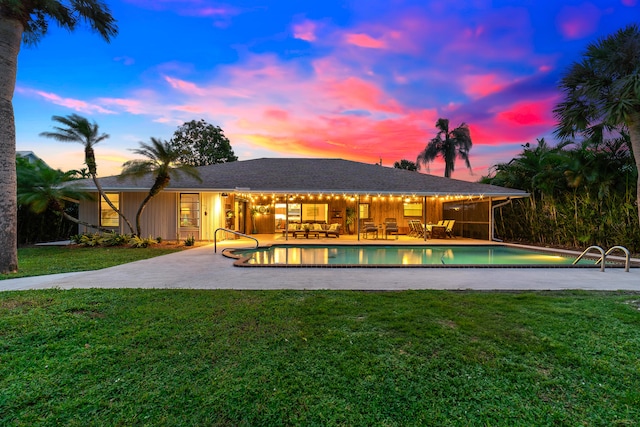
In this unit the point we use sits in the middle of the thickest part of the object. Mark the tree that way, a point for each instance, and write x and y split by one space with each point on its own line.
29 20
42 188
406 164
78 129
200 144
448 145
602 91
162 161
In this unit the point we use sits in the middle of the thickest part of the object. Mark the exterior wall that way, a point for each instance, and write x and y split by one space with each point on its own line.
213 215
89 211
160 217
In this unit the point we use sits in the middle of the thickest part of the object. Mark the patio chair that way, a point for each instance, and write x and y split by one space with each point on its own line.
449 229
369 227
391 226
416 228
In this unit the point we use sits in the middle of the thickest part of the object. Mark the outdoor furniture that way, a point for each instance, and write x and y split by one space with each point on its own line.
333 230
390 226
449 226
369 227
438 232
417 230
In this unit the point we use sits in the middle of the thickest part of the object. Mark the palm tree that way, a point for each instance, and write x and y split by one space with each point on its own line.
449 145
162 163
602 91
78 129
41 188
28 20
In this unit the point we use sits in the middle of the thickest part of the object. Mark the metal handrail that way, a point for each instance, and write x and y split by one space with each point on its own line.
627 256
215 240
603 258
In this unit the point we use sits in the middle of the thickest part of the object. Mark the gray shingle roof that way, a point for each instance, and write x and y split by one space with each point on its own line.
295 175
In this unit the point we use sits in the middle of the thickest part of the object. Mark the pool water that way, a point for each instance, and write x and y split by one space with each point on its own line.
370 255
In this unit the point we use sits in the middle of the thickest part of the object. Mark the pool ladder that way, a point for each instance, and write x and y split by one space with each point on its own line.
603 256
237 233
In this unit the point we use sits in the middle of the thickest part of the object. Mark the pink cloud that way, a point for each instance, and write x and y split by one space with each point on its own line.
364 40
519 122
73 104
305 30
478 86
184 86
355 93
629 3
187 7
132 106
276 114
576 22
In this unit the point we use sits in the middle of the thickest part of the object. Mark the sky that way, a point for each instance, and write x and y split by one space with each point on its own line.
362 80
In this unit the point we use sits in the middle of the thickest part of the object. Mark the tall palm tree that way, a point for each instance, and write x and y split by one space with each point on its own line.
79 129
448 145
29 20
162 162
602 91
41 188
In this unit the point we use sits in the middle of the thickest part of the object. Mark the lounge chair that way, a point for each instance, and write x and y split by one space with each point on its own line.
391 226
369 227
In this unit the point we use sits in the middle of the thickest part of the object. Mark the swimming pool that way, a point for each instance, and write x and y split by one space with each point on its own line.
401 256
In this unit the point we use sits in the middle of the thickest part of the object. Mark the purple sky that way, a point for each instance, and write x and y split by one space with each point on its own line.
359 80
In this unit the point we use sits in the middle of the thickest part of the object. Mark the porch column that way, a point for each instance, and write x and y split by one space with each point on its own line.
358 217
424 214
286 219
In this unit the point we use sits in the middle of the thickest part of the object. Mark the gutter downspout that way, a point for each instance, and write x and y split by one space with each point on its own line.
499 205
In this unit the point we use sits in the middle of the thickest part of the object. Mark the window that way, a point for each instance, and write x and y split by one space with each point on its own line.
109 217
412 209
189 210
364 210
314 211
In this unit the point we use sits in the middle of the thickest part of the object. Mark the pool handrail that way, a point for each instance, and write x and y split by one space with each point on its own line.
602 258
215 240
626 253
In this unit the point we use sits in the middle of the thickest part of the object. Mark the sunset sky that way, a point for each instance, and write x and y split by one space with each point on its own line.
359 80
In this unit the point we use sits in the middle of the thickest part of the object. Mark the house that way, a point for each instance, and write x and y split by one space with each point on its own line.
263 195
31 157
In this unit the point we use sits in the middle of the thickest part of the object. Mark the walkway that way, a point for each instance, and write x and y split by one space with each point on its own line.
200 268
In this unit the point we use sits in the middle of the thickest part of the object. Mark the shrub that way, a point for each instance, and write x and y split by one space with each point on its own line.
190 241
139 242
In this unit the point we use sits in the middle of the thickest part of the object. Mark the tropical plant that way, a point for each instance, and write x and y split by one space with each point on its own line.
449 145
29 20
45 226
162 162
602 91
407 165
200 144
190 241
41 188
580 194
139 242
79 129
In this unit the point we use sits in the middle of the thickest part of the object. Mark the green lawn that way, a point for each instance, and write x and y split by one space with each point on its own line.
40 260
325 358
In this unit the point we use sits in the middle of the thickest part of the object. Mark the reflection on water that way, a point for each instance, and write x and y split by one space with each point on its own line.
402 255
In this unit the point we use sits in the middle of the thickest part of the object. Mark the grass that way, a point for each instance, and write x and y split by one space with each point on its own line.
40 260
324 358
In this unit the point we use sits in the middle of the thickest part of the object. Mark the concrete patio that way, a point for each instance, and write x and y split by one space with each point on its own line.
201 268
